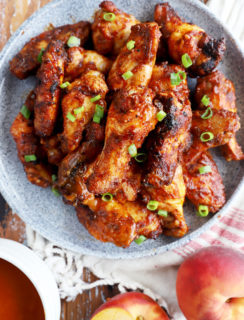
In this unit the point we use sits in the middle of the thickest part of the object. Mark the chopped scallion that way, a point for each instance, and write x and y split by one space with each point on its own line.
127 75
71 117
132 150
54 177
130 45
205 169
73 42
96 119
205 100
177 78
99 111
152 205
207 114
107 196
30 158
163 213
140 239
109 16
202 211
39 57
55 192
79 110
206 136
161 115
64 85
186 60
141 157
25 111
96 98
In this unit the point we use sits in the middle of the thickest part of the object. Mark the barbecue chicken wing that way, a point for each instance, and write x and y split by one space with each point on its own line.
52 147
137 63
232 150
50 76
26 61
181 37
203 189
78 109
110 36
81 60
129 110
27 144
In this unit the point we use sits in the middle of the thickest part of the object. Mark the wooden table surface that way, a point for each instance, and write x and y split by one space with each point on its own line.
12 14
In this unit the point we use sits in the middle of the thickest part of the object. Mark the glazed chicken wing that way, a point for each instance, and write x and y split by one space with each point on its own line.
52 147
26 61
78 109
81 60
181 37
27 144
50 76
203 189
232 150
133 67
129 110
110 36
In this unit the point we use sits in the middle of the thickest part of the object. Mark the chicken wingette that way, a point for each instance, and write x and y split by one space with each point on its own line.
123 136
50 77
111 28
232 150
134 66
79 108
29 58
52 147
186 38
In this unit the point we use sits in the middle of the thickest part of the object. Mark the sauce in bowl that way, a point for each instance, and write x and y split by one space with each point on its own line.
19 299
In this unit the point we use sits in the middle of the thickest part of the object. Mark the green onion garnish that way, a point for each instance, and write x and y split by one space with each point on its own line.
71 117
64 85
152 205
39 57
30 158
141 157
186 60
55 192
109 16
206 136
99 111
127 75
54 177
107 196
96 119
132 150
98 97
130 45
205 100
161 115
205 169
79 110
207 114
25 112
163 213
177 78
140 239
202 211
73 42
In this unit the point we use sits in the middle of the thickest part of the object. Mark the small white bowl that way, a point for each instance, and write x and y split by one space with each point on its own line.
38 273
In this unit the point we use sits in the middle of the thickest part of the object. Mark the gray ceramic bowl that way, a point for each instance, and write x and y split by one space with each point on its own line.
38 207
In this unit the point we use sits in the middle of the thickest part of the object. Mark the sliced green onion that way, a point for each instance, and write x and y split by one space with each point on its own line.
99 111
152 205
177 78
182 75
73 42
39 57
25 112
140 239
206 136
96 119
55 192
205 100
207 114
161 115
98 97
107 196
132 150
163 213
186 60
54 177
71 117
130 45
109 16
30 157
79 110
127 75
141 157
64 85
205 169
202 211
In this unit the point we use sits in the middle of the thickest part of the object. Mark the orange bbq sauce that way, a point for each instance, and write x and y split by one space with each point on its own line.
19 299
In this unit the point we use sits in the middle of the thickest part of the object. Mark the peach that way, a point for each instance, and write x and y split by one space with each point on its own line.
130 306
210 285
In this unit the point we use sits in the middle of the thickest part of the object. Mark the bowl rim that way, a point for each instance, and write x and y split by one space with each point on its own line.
149 251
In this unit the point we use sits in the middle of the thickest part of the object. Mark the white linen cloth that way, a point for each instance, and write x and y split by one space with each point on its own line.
156 275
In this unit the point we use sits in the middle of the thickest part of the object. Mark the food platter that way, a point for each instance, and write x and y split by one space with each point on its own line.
39 208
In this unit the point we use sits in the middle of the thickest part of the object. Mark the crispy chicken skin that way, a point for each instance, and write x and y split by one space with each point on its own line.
171 199
203 189
26 62
27 143
110 36
52 147
80 92
204 51
140 60
80 60
232 150
50 76
130 108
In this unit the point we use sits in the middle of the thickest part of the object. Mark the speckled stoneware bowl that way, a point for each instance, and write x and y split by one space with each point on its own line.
40 208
